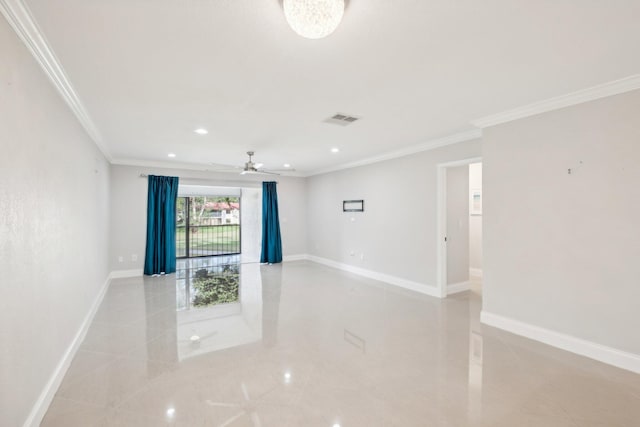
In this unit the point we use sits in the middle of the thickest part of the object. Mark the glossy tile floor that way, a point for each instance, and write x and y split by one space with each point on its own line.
301 344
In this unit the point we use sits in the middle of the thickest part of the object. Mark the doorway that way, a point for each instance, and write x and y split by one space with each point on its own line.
475 227
208 226
459 225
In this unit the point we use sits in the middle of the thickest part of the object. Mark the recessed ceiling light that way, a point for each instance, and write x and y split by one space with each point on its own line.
335 150
201 131
287 165
172 155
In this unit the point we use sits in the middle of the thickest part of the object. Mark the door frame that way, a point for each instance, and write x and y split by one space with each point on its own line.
442 220
187 227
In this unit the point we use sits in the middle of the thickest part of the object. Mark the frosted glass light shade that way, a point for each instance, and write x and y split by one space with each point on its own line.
313 19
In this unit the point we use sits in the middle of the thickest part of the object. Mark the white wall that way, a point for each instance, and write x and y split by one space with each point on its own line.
561 250
397 231
457 224
54 190
475 221
129 209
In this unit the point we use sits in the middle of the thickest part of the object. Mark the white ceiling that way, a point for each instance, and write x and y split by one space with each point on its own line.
151 71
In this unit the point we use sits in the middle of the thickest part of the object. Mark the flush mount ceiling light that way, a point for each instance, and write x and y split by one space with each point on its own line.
201 131
313 19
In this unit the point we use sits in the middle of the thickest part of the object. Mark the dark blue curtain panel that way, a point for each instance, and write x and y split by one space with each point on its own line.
271 242
160 255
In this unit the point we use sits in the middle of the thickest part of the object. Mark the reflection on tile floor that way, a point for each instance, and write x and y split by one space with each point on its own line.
306 345
205 282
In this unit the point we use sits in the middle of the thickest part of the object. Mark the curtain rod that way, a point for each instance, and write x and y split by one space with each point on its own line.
144 175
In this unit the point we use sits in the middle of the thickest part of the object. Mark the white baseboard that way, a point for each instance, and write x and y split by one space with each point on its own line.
475 272
393 280
44 400
592 350
299 257
454 288
121 274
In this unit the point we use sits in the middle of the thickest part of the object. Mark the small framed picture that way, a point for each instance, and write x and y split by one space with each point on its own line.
475 201
353 206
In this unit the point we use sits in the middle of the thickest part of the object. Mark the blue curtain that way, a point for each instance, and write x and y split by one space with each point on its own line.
160 256
271 242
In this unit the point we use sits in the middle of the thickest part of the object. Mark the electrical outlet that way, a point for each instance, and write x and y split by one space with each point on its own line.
134 257
361 257
352 253
120 258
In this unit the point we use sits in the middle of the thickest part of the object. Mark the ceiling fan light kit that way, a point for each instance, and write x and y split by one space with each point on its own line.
313 19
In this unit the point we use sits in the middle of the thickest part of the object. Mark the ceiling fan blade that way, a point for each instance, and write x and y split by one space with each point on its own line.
222 170
223 166
258 172
249 168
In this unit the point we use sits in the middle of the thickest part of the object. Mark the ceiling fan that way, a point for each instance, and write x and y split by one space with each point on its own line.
251 167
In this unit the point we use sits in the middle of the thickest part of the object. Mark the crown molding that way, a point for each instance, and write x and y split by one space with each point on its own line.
184 166
615 87
425 146
19 17
160 164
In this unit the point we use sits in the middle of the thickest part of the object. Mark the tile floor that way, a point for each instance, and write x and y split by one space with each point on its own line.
304 345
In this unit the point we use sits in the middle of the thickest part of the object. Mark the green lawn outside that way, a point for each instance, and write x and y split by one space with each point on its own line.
222 238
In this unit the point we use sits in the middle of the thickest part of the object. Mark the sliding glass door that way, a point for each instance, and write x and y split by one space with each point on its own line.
207 225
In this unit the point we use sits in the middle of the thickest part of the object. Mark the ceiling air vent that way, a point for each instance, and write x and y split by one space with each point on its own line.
341 119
